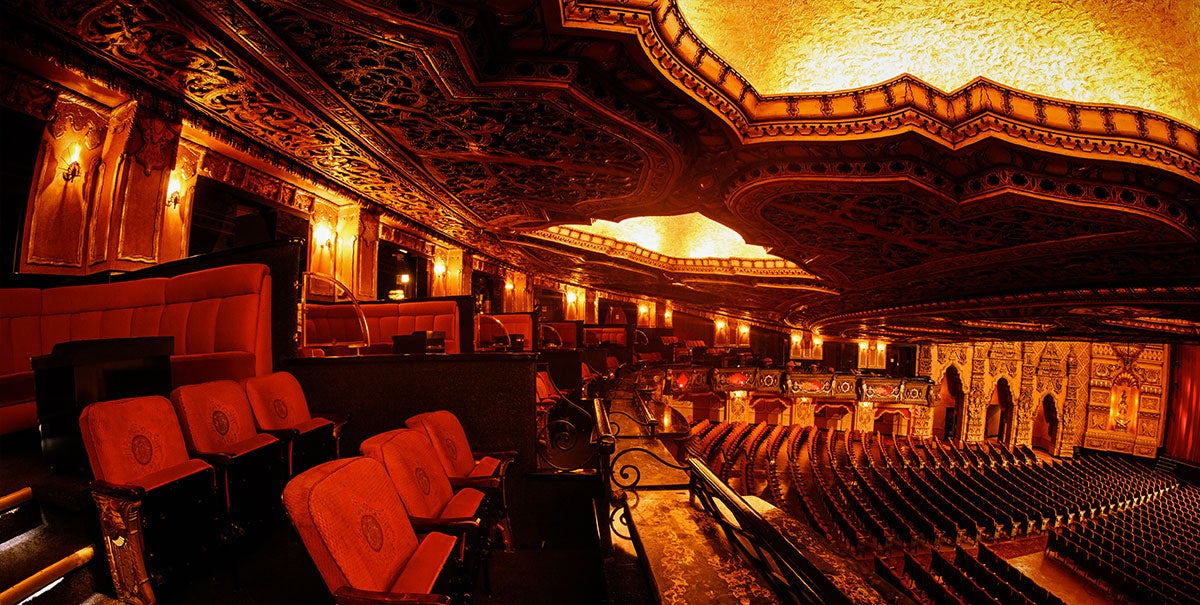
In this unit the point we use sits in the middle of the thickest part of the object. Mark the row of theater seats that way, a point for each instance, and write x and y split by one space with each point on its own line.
878 493
360 517
174 476
1149 551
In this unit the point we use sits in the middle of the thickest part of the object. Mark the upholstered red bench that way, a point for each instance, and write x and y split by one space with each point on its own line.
220 319
328 325
514 324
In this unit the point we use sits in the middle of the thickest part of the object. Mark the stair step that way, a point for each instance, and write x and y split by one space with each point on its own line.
48 579
55 539
19 513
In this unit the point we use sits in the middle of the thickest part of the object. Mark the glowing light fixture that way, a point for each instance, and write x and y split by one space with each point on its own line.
744 329
643 309
323 235
439 267
863 345
174 190
508 285
405 278
880 346
684 236
571 298
667 315
73 168
720 324
817 341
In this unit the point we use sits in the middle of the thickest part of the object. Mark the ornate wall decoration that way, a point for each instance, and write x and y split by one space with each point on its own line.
1124 404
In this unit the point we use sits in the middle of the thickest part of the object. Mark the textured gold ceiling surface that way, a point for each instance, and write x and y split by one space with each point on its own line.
684 236
1141 53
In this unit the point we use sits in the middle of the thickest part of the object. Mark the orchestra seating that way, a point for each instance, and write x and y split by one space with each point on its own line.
158 506
332 326
219 318
356 531
219 428
280 409
1115 519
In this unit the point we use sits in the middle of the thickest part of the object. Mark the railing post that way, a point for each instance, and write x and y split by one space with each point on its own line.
605 444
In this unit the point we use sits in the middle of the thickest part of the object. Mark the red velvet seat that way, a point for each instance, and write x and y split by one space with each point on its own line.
158 506
281 409
485 472
432 504
358 534
218 426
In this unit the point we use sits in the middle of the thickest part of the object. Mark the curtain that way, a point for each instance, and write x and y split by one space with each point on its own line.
1183 419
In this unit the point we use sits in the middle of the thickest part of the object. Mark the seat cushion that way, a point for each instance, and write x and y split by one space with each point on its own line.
486 467
423 567
464 504
449 440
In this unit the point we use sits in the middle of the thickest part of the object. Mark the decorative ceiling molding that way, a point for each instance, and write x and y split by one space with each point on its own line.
980 109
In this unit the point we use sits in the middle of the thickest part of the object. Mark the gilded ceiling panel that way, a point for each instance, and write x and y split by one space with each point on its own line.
1140 53
500 149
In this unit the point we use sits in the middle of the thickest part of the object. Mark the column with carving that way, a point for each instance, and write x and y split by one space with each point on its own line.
1022 430
976 404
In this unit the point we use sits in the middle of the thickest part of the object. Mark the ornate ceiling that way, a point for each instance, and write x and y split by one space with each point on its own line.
906 212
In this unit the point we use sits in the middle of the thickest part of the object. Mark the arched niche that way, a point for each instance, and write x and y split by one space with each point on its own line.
998 419
1045 423
947 412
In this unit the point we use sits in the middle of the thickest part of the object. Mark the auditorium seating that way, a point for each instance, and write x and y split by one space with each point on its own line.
356 531
219 318
280 409
484 471
331 326
159 507
431 502
218 427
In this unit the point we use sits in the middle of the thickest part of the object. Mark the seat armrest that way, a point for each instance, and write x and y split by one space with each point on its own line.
480 483
458 525
336 418
131 493
282 434
505 456
217 460
353 596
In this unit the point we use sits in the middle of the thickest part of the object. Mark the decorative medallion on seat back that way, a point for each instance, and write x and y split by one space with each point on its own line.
357 531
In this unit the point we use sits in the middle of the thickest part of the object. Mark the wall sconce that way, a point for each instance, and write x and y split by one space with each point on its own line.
643 309
571 298
881 346
744 329
817 341
405 278
720 324
439 267
323 235
862 345
174 191
667 315
73 169
508 285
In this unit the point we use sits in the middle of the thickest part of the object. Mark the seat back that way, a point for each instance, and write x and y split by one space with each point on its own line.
449 440
128 439
545 389
277 401
214 416
352 523
415 470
